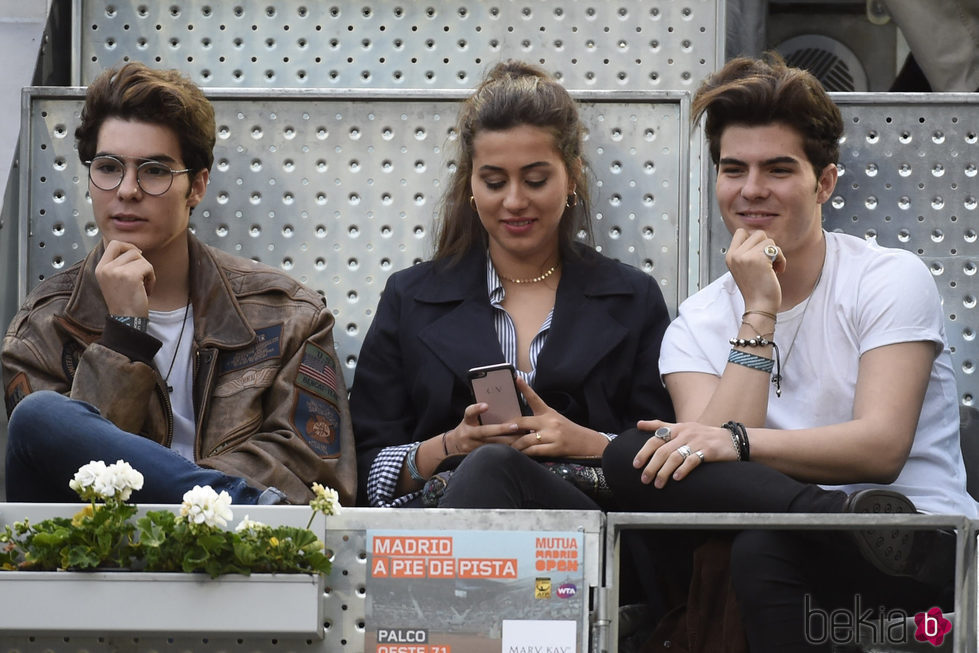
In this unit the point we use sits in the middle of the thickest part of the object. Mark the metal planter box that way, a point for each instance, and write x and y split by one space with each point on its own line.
61 602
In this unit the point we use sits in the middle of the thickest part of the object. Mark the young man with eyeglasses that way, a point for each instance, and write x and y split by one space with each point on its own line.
195 366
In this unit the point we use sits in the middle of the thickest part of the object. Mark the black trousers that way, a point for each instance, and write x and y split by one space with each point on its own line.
797 590
498 476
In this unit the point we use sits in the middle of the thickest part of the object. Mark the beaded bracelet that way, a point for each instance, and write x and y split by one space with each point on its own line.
760 341
758 362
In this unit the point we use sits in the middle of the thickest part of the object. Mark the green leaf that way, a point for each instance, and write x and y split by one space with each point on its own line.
106 535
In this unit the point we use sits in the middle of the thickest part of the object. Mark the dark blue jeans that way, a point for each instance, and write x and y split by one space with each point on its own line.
50 436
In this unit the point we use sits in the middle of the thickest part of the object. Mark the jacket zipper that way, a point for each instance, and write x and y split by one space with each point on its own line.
204 360
164 395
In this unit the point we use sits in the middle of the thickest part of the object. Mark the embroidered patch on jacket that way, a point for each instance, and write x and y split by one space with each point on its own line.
318 373
266 347
232 384
70 354
318 421
19 388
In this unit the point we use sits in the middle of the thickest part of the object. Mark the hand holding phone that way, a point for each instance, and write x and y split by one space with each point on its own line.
494 385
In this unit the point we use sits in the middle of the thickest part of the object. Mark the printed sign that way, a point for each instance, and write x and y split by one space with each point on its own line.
475 591
531 636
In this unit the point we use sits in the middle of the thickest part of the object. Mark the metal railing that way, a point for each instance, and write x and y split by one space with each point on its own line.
457 609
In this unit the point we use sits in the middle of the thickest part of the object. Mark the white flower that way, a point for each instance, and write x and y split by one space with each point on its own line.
97 481
202 505
249 525
327 500
123 479
104 487
86 478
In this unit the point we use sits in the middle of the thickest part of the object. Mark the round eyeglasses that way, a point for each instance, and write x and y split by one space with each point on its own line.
154 178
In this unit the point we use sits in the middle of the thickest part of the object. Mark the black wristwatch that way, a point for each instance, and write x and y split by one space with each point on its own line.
138 323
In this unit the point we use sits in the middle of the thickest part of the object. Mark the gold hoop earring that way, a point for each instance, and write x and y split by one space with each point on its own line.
572 200
472 203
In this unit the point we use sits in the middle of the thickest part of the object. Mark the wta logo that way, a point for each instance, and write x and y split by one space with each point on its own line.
567 591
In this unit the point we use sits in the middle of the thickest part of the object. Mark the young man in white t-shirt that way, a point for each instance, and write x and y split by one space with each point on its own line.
824 358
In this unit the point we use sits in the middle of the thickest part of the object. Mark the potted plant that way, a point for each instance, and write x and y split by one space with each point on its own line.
162 571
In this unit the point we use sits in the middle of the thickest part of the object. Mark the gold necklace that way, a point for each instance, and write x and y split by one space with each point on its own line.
536 279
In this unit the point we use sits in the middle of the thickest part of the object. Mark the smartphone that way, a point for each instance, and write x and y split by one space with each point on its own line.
494 385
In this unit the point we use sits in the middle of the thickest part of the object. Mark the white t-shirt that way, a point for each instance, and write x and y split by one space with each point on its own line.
868 296
176 368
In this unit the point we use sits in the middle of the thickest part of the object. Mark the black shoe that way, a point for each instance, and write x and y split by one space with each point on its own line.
926 556
636 625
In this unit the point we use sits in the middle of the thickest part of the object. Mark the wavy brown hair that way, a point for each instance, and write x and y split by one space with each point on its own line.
513 94
756 92
161 97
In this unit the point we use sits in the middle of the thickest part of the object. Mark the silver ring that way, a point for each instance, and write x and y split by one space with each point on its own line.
684 451
663 433
700 454
771 251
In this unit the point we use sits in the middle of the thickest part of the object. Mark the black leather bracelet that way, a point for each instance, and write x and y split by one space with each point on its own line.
739 436
734 439
745 445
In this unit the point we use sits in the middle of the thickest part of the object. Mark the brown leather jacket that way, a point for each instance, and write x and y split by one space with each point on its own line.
269 395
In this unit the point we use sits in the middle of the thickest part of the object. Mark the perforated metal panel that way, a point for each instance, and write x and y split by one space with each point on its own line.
439 44
908 176
339 189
